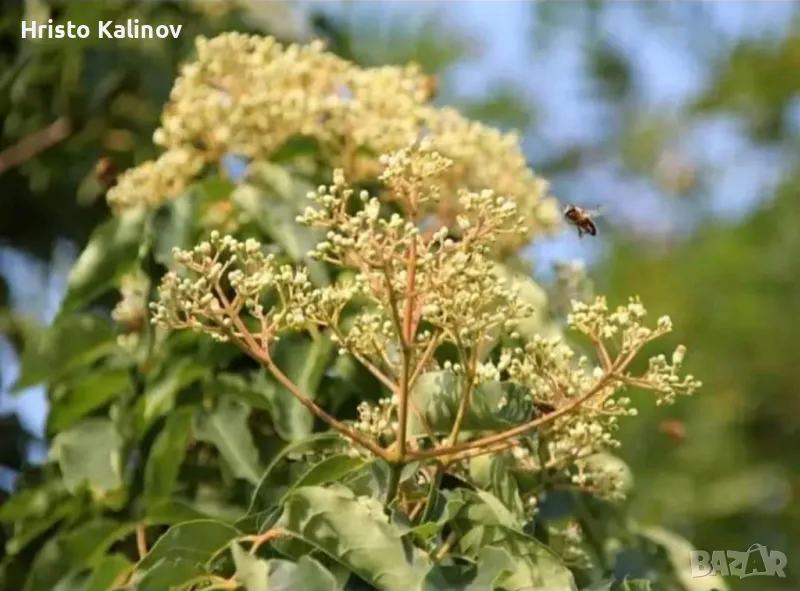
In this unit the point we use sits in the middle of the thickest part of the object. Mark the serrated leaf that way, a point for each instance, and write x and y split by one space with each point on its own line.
304 361
374 550
112 249
70 343
251 572
226 428
89 453
164 463
493 405
74 551
85 395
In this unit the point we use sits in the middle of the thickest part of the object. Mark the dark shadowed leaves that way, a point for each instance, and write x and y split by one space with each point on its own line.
74 551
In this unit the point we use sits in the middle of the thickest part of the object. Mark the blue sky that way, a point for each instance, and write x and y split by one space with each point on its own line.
502 31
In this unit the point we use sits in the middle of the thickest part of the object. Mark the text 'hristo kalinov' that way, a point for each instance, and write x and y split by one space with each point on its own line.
131 29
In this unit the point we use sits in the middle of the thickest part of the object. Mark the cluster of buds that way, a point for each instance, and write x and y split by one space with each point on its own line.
414 294
247 95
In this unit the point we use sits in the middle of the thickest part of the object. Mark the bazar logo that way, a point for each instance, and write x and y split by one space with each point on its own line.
755 561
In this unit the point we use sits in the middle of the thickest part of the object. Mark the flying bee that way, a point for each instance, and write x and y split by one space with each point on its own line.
105 171
676 430
582 219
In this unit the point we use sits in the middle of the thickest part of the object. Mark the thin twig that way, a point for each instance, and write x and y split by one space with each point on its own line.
141 540
33 144
618 367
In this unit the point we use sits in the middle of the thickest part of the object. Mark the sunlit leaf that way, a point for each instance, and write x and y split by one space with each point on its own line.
251 572
306 573
374 550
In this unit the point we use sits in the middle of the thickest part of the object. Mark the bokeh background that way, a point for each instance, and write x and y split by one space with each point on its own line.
681 119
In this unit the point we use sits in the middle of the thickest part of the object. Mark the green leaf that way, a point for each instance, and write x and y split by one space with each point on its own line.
173 228
159 396
70 343
493 565
182 553
678 553
505 487
169 573
275 209
304 361
493 405
39 519
106 572
528 564
89 393
90 453
326 518
226 428
74 551
251 572
264 495
164 463
306 573
255 392
329 470
112 249
452 505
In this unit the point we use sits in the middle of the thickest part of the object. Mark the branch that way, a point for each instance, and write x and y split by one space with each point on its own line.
249 345
33 144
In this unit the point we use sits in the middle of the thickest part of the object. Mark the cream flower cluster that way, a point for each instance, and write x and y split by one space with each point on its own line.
248 95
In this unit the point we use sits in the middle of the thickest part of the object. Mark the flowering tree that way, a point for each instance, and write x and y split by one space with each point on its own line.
342 387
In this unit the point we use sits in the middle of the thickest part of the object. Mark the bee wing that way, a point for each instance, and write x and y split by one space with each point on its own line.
597 211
